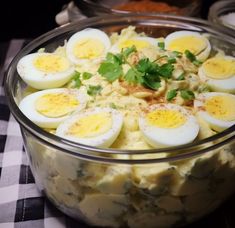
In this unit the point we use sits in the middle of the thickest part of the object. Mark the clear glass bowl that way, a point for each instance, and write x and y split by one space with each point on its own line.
124 188
218 13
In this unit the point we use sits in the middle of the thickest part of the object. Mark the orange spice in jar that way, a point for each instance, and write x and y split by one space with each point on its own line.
148 6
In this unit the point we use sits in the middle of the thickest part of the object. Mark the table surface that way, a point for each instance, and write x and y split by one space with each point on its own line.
21 204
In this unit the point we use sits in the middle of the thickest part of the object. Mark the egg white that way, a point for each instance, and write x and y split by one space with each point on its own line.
220 85
103 140
203 55
27 106
215 123
87 33
39 79
150 40
164 137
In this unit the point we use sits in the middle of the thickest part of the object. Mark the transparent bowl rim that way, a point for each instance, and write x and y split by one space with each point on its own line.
98 154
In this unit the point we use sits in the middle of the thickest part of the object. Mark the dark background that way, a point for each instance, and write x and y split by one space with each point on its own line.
29 19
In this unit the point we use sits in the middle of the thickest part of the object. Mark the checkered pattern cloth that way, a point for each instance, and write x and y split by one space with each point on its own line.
21 204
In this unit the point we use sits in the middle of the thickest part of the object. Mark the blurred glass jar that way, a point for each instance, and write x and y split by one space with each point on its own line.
100 7
222 13
80 9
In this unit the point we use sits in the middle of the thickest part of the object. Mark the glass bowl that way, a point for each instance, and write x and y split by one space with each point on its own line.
220 14
127 188
100 7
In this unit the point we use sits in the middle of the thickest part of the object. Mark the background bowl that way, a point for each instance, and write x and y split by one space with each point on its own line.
117 188
218 14
101 7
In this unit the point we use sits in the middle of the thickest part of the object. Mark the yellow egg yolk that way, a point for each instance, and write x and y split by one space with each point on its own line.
221 107
192 43
219 68
51 63
88 48
56 104
91 125
165 118
139 44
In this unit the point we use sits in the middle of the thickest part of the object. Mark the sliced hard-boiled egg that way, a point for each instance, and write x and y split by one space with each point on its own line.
139 42
168 125
95 127
48 108
88 44
187 40
219 73
217 109
45 70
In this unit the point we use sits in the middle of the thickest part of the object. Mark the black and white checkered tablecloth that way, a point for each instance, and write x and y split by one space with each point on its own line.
21 204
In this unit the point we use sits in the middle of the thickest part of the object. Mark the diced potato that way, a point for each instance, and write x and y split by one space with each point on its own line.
151 220
169 203
104 209
117 180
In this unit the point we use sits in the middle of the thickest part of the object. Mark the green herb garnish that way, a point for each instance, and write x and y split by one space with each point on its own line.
171 94
152 82
197 62
146 66
110 71
171 60
115 59
127 51
112 105
133 76
94 90
177 54
86 75
204 88
161 45
111 68
181 77
192 58
76 79
145 72
166 70
148 74
187 94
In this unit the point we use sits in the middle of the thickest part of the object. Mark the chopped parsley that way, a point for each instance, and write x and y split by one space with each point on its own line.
76 79
171 94
197 62
127 51
181 77
161 45
187 94
145 72
171 60
152 82
192 58
177 54
166 70
94 90
86 75
133 77
204 88
110 71
112 105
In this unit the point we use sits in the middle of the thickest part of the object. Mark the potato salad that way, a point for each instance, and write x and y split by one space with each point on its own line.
130 91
